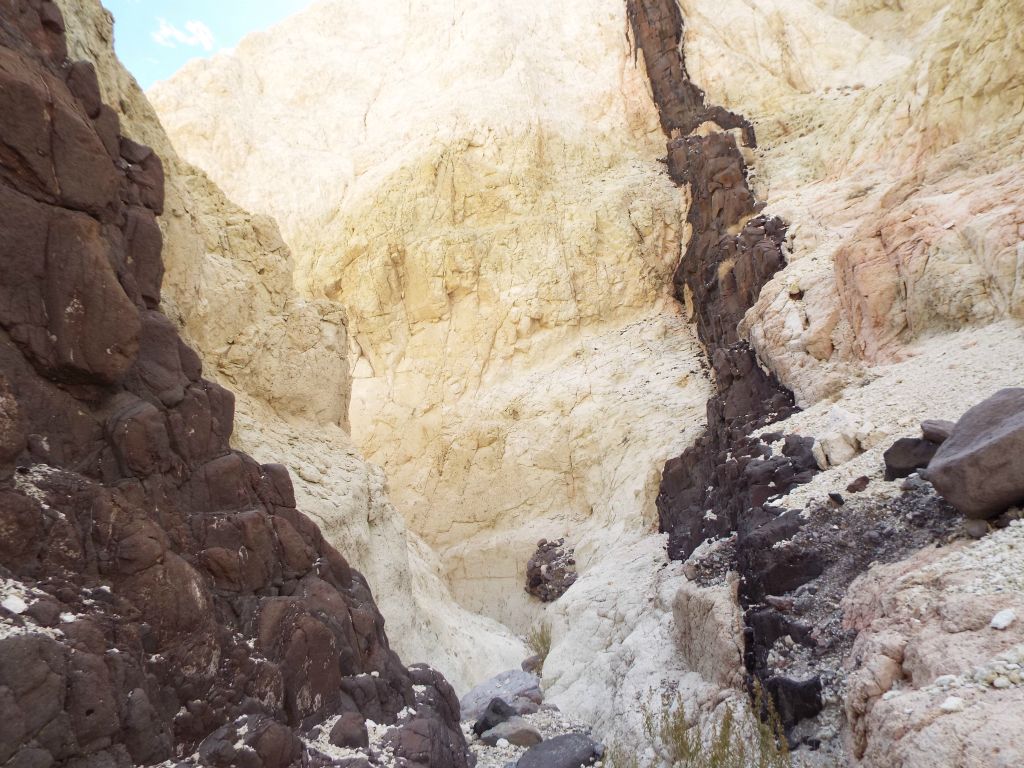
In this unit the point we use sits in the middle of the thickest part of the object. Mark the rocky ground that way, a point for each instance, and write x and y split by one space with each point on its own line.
549 723
507 723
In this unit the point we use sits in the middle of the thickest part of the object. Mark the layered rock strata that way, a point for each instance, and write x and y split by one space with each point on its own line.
162 595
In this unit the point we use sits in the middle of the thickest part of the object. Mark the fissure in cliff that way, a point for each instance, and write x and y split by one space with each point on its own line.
723 483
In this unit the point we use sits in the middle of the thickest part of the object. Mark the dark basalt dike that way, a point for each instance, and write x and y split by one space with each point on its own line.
177 601
723 483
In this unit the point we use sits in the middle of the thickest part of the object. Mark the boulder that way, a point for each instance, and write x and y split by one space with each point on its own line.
980 468
515 731
349 731
795 699
509 685
497 712
551 570
907 455
937 430
571 750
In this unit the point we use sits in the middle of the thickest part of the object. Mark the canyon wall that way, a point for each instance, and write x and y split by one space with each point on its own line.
488 192
893 155
888 145
161 596
480 187
228 286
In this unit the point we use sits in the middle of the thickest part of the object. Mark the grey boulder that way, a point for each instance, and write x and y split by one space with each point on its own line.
571 750
907 455
937 430
980 468
511 686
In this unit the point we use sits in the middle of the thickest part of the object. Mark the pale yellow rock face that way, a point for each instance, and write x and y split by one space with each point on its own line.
891 138
228 284
478 185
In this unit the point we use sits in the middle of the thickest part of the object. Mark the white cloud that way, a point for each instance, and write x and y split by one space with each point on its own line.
196 34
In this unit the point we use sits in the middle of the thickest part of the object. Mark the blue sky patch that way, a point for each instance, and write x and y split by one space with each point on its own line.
154 38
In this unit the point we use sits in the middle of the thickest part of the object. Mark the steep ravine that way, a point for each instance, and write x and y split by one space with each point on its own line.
502 236
552 333
499 228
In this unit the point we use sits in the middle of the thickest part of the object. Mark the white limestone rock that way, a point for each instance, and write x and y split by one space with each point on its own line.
1003 619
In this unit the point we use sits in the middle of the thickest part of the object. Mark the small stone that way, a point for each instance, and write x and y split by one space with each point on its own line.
912 483
570 750
533 664
497 712
1003 619
837 499
953 704
1001 682
502 743
859 484
907 455
516 731
944 681
937 430
14 604
976 529
349 732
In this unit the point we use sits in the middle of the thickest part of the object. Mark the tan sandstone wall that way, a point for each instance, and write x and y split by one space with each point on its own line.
480 188
891 137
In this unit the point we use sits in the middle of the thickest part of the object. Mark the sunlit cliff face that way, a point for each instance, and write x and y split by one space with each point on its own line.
483 237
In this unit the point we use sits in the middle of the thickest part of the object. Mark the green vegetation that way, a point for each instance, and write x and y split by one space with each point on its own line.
676 738
539 641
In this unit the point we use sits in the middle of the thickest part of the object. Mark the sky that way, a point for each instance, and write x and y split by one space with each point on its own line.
154 38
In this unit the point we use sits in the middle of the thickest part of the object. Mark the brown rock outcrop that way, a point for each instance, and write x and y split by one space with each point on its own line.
551 570
162 596
980 468
723 483
732 253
